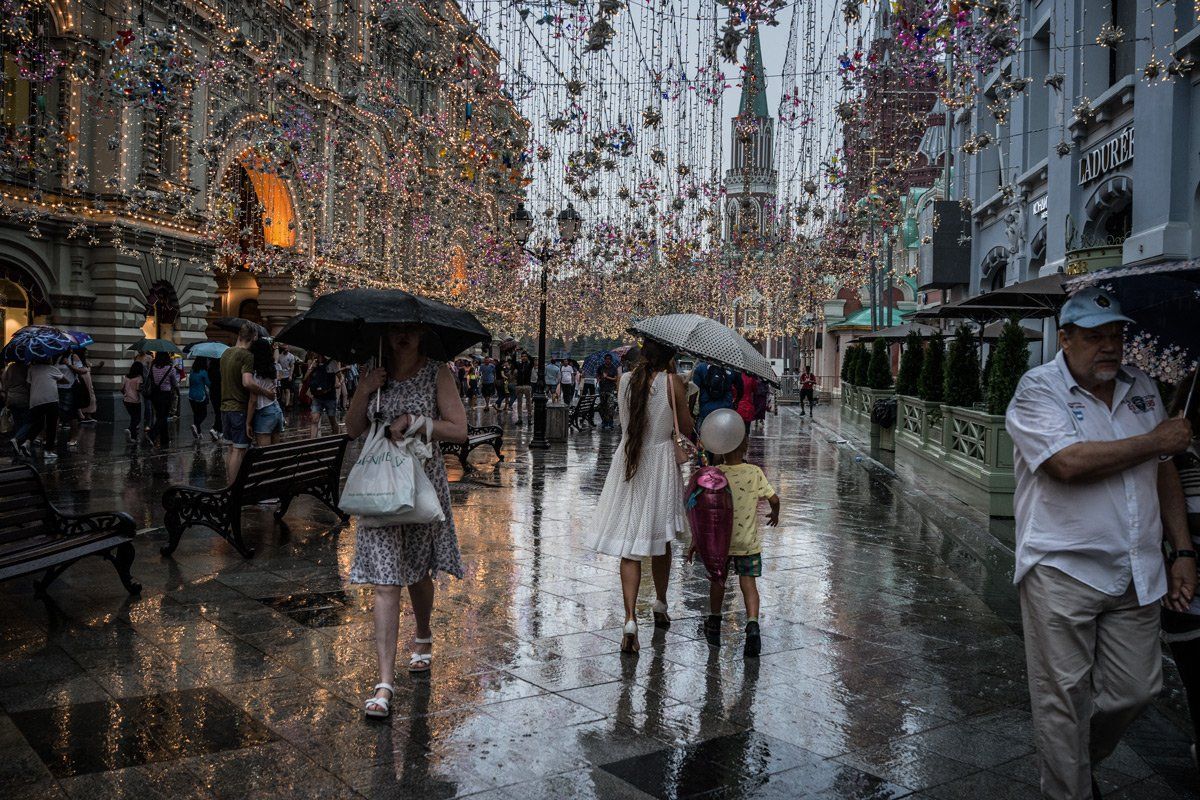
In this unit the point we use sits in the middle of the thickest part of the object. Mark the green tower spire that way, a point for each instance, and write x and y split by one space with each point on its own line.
754 84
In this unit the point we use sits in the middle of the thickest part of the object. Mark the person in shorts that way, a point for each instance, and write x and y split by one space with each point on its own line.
237 384
748 485
264 416
323 376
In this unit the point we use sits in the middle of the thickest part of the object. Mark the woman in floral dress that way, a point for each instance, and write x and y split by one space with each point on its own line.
392 557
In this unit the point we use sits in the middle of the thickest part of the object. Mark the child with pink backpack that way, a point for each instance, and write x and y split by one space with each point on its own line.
747 485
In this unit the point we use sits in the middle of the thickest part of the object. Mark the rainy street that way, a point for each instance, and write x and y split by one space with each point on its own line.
891 667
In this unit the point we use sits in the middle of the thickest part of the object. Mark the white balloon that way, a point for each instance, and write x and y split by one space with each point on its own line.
722 431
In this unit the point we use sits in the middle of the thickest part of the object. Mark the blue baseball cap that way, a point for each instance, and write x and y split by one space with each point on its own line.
1091 308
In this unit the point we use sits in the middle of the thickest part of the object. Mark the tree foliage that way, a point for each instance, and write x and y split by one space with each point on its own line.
962 371
879 370
1010 359
862 367
910 364
929 381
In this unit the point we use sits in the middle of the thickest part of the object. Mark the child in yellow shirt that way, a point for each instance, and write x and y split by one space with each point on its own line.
748 485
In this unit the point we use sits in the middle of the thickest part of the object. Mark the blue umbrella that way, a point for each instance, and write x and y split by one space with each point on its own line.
206 349
82 339
37 344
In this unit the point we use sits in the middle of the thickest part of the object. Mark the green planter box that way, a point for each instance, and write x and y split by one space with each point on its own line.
919 426
978 449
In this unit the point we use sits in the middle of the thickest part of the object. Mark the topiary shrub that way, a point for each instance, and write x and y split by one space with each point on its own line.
962 371
910 364
848 365
879 369
929 382
1010 359
862 367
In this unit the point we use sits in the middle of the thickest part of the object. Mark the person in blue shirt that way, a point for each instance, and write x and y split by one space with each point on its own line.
199 390
487 377
553 376
719 388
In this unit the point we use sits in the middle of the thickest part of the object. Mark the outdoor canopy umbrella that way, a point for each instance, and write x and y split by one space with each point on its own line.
898 332
708 340
349 325
37 344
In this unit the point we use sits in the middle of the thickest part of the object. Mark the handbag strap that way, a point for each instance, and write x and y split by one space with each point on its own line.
671 401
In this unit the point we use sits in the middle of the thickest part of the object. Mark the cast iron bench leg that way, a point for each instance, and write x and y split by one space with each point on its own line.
121 557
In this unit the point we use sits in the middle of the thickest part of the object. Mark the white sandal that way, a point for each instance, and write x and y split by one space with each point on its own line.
380 707
416 660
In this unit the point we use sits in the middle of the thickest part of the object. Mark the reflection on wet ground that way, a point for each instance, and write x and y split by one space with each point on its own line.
891 665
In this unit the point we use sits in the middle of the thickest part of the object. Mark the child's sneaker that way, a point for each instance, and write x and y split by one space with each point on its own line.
753 640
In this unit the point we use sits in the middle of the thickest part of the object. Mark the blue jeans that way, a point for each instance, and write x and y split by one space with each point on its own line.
268 419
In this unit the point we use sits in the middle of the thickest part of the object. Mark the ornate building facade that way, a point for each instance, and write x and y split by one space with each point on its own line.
168 163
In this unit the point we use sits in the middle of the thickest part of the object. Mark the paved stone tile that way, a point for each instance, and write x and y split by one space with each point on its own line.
890 664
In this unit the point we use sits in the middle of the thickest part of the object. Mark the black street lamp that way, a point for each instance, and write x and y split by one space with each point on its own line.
521 223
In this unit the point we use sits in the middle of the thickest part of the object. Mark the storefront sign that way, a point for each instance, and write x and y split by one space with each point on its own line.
1040 207
1104 158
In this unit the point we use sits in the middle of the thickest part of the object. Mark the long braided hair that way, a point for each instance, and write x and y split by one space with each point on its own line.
655 358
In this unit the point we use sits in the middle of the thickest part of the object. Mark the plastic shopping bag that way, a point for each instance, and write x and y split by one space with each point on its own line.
381 481
426 505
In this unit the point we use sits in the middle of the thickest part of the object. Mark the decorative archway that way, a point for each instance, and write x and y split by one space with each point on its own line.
458 271
1109 211
993 270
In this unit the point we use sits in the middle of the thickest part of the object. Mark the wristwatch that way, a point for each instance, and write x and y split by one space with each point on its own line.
1183 554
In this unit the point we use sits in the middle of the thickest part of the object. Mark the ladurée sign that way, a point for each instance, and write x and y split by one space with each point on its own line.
1107 156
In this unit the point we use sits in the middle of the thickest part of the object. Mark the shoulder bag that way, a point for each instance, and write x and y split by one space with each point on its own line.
684 449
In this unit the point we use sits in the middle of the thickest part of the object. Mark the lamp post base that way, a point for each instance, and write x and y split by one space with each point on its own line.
538 442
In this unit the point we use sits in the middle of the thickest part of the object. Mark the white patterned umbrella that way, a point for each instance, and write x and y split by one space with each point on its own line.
707 339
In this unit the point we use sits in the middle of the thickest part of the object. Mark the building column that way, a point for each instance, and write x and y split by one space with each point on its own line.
279 300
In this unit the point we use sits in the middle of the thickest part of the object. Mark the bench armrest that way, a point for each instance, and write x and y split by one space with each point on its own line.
99 522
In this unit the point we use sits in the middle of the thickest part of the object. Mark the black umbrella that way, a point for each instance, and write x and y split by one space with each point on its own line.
347 325
235 324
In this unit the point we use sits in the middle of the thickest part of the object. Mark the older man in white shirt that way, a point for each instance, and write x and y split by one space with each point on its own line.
1095 499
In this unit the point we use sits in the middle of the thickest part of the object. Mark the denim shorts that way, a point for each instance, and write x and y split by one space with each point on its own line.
268 419
233 426
325 406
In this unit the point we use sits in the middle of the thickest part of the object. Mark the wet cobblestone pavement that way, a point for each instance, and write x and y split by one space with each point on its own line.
891 664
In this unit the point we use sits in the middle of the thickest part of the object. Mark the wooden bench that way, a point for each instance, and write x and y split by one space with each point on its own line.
477 435
283 471
584 412
35 536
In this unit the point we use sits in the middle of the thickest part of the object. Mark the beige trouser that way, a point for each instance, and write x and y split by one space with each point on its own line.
1094 663
524 399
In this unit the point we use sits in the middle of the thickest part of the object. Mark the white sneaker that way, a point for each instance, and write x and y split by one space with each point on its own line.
216 436
49 456
195 432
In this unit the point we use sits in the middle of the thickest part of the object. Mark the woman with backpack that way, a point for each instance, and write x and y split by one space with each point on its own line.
641 506
164 380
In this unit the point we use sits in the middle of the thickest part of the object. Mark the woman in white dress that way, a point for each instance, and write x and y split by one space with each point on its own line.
641 507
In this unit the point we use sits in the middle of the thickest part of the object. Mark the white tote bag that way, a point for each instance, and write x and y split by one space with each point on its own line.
381 482
426 506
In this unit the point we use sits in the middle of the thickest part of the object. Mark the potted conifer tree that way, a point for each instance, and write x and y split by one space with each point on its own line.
977 446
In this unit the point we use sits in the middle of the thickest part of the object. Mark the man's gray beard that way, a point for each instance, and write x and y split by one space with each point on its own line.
1107 374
